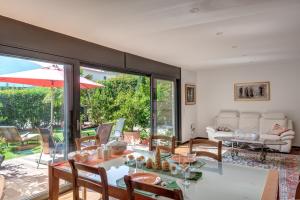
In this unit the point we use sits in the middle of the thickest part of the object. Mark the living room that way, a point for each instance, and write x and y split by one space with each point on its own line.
194 99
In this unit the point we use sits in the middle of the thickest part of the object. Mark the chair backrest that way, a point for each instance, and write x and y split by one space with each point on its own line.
210 143
103 132
46 139
78 181
10 133
170 147
90 146
132 185
119 126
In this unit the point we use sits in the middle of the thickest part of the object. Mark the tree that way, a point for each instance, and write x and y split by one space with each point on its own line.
125 96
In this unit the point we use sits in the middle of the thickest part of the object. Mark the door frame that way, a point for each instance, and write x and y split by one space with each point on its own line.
177 103
73 88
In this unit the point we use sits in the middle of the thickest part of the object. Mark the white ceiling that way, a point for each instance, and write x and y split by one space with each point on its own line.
186 33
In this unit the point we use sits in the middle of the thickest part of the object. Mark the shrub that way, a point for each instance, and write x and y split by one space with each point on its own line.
125 96
27 107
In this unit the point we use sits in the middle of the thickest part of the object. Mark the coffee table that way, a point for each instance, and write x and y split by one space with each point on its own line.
259 143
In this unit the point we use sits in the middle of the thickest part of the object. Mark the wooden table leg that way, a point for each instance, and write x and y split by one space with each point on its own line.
53 184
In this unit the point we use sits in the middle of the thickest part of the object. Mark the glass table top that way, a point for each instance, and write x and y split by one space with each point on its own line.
219 180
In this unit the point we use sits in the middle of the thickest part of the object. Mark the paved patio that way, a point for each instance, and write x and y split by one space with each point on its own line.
23 179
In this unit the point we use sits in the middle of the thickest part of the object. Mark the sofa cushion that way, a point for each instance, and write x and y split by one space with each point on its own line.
269 137
249 122
223 134
228 122
228 114
273 116
266 125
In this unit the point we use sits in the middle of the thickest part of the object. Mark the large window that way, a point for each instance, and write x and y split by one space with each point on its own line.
120 102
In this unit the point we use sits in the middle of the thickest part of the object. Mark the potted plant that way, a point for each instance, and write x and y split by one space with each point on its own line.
2 151
144 136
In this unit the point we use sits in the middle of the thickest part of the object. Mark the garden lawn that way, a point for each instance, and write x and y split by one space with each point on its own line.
11 153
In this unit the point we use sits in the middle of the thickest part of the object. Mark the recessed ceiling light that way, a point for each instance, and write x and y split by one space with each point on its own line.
219 33
194 10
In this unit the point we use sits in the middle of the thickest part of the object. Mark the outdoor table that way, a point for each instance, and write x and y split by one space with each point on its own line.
219 180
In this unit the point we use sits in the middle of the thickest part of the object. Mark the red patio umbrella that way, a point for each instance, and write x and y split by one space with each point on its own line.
52 76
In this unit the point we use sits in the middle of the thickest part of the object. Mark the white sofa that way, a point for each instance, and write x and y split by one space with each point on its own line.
250 123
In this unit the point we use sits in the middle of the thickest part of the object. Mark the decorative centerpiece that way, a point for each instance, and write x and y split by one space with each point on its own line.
131 157
165 166
157 159
149 163
79 156
140 161
117 147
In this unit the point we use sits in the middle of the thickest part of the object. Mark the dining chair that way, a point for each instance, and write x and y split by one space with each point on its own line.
131 185
103 132
157 140
204 143
79 181
87 143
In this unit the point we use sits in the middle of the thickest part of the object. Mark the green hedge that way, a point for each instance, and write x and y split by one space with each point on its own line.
27 107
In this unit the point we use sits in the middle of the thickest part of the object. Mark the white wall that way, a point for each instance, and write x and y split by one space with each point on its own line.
188 112
215 93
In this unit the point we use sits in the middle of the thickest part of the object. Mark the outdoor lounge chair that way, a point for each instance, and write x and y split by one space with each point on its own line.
118 130
49 146
12 135
103 132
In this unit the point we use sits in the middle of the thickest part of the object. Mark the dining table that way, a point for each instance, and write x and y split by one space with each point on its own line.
218 181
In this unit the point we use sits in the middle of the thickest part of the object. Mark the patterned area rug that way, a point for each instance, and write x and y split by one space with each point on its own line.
287 164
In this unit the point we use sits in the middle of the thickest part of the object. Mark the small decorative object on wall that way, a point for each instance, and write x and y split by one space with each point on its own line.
254 91
190 94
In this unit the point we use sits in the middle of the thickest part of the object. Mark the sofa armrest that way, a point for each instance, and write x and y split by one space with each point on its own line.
211 129
287 133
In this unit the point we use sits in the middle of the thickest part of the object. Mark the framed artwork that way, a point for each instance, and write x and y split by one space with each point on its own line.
190 94
253 91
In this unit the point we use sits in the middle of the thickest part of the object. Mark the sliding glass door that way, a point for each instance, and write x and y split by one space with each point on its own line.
163 107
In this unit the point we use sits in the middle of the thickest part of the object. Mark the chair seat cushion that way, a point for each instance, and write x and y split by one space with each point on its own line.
223 134
31 136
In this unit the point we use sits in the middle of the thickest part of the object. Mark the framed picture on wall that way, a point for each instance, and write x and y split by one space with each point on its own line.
253 91
190 94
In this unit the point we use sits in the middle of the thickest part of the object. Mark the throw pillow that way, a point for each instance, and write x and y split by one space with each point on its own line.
224 129
278 130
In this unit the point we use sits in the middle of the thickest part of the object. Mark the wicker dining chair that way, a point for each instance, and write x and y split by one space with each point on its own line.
154 139
204 143
78 181
160 191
